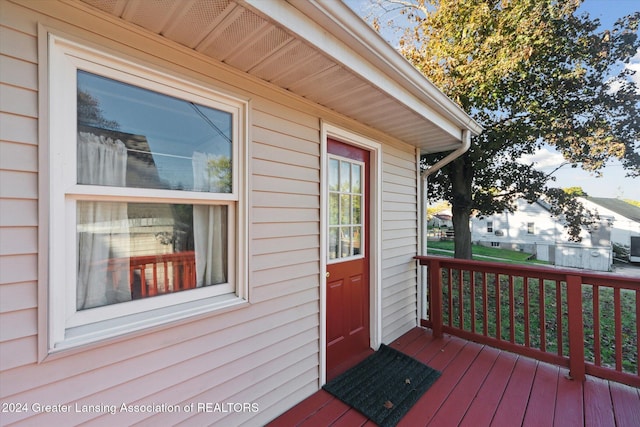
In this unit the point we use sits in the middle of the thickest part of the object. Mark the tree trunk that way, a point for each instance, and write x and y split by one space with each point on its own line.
461 175
462 238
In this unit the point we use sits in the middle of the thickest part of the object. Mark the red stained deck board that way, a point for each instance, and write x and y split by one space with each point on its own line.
440 352
412 343
439 347
541 407
415 335
569 402
626 405
303 410
455 406
453 362
351 418
592 403
598 408
491 392
511 408
329 414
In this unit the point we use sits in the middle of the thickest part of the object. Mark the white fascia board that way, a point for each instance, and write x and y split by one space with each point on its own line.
384 56
334 29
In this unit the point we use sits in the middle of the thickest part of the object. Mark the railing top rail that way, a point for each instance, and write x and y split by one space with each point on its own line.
148 259
543 272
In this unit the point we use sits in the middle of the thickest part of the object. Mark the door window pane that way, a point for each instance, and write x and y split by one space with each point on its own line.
357 200
356 176
334 174
334 209
356 239
345 176
334 243
133 137
345 208
345 242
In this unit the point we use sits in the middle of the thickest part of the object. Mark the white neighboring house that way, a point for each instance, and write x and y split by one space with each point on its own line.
532 228
623 217
442 218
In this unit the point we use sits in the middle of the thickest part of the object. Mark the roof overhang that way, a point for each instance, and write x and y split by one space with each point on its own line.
317 49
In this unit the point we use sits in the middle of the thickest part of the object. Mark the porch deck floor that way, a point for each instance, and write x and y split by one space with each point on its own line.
484 386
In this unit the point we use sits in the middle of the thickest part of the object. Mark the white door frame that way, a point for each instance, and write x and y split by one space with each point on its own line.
375 235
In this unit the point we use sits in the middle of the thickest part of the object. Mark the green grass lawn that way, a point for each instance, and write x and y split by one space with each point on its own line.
445 248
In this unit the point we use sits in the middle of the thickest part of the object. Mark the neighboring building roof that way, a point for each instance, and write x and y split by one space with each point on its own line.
444 217
618 206
320 50
544 204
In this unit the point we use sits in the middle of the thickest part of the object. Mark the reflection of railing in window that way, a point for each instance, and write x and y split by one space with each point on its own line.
151 275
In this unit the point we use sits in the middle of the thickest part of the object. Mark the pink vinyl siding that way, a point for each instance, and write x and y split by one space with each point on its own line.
266 351
18 197
400 241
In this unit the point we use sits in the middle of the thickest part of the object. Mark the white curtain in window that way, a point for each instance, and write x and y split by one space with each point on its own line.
209 227
103 230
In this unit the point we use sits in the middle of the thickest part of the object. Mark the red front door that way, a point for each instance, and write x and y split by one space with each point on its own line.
347 257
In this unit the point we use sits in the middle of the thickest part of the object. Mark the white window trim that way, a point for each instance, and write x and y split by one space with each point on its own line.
68 328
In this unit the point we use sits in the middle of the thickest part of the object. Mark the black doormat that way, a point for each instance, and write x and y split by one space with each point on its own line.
384 386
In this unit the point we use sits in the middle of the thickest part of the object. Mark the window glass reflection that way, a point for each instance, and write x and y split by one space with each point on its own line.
356 178
356 239
334 243
334 209
356 209
334 175
345 177
345 209
133 137
128 251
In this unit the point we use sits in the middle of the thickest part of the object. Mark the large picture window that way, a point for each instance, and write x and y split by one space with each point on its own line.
146 174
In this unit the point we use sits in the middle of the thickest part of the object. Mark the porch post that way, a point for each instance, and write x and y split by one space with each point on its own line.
576 328
435 297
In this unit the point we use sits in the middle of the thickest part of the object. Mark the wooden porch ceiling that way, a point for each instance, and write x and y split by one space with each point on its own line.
314 56
483 386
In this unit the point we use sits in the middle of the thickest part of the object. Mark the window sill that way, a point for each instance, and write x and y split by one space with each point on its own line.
123 327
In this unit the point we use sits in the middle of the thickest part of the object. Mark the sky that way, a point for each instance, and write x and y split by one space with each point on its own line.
613 182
